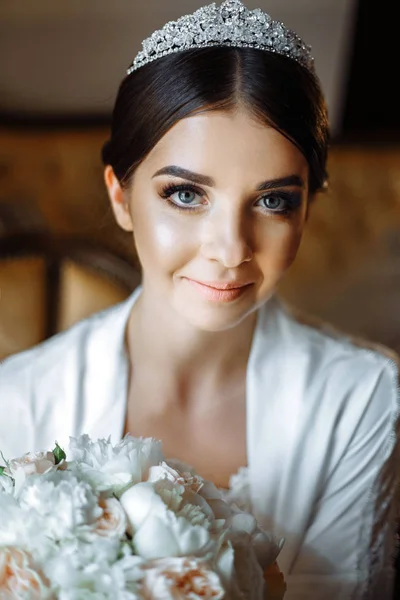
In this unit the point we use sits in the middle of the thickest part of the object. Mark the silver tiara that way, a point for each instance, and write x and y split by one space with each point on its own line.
230 24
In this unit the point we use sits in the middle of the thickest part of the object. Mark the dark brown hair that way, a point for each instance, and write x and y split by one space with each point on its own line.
276 89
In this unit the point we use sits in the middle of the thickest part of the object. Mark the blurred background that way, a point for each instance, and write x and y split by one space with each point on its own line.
61 254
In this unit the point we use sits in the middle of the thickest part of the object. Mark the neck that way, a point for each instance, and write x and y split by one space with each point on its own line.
180 355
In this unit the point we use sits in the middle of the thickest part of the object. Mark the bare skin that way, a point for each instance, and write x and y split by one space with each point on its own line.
189 347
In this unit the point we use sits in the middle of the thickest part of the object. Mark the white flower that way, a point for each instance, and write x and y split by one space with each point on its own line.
82 571
22 529
64 503
163 535
184 578
189 484
183 476
112 522
158 528
76 553
31 463
114 468
141 500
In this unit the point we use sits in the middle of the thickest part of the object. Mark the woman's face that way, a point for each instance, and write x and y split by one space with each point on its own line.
217 210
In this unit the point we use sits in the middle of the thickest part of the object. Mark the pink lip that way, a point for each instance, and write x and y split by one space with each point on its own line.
220 292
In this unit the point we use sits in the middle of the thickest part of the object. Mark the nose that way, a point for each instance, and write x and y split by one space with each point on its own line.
227 239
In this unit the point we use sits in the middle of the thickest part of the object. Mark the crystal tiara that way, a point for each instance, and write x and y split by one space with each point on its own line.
230 24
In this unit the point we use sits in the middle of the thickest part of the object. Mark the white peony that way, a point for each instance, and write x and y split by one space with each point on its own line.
64 503
94 571
114 468
23 529
142 500
163 535
76 553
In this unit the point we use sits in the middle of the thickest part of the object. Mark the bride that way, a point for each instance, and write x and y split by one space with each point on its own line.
217 152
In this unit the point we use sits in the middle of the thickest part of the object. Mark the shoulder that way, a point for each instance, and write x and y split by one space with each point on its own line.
322 375
46 391
327 346
50 358
351 379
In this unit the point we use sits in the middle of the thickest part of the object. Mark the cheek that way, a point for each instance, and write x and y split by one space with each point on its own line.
280 247
162 241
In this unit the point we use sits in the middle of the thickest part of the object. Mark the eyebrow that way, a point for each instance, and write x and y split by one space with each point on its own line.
290 180
186 174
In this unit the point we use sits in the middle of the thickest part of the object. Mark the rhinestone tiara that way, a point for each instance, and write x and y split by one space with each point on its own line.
230 24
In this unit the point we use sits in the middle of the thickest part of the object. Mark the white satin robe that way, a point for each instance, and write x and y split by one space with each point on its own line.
323 452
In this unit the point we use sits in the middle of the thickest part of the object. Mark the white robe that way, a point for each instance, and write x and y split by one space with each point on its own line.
322 447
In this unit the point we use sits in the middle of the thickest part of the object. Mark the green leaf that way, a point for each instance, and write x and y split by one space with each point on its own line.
59 454
2 469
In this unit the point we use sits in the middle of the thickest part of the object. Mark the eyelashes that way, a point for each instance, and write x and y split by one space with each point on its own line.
288 201
172 189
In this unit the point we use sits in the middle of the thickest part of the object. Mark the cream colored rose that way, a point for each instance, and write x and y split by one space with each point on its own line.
186 478
113 521
181 475
180 579
18 579
32 463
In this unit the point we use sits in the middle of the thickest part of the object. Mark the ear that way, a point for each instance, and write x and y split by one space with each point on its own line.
118 199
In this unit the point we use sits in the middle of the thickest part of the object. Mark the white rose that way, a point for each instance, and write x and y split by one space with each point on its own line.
185 477
158 530
112 523
180 579
190 483
114 468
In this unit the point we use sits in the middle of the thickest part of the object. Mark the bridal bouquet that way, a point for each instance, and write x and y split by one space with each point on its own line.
120 522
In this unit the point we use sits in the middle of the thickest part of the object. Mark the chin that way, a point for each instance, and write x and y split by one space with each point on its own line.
214 319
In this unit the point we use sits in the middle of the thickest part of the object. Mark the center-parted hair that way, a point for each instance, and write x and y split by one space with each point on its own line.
273 88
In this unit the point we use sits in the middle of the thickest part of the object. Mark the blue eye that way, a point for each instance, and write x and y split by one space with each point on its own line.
185 197
280 202
182 196
272 202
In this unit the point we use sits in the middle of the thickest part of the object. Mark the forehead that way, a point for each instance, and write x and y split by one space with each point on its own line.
227 144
